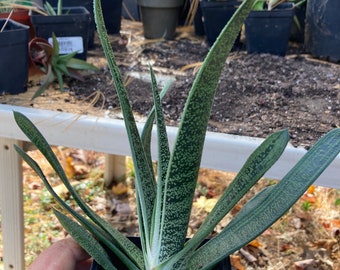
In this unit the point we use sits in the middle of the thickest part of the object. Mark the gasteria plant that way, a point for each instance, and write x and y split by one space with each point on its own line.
164 205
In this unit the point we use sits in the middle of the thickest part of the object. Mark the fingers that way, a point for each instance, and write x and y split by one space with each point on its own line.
65 254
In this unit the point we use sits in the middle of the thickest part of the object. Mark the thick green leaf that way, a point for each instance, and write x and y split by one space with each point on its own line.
49 9
145 186
50 77
62 69
56 49
271 204
42 145
163 161
147 129
60 7
185 160
85 240
90 226
80 64
64 58
259 162
59 74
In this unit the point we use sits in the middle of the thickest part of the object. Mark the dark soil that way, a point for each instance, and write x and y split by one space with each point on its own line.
257 93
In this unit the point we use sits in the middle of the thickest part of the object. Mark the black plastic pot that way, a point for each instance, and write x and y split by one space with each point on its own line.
71 29
130 10
223 265
198 21
322 31
269 31
112 12
216 14
21 16
297 32
13 57
88 4
160 18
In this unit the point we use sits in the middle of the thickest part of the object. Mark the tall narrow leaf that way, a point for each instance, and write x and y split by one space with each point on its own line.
268 206
146 189
186 157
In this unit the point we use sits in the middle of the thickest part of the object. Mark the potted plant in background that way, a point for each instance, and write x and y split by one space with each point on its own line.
88 4
112 11
216 14
268 27
164 205
298 27
19 11
130 10
160 17
14 39
69 24
46 59
322 32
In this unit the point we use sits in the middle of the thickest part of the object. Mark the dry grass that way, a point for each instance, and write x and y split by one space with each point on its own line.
309 229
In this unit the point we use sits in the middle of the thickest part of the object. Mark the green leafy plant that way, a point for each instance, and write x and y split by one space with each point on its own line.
54 65
54 12
337 202
164 203
271 4
306 206
9 5
6 5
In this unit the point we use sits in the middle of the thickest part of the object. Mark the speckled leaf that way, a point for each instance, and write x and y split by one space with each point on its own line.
271 204
186 157
42 145
145 186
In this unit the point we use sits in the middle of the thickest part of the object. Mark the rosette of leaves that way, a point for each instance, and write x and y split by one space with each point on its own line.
54 65
164 199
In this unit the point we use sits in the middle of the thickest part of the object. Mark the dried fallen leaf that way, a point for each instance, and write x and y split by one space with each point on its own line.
311 190
249 257
325 243
120 189
255 243
204 203
236 262
300 265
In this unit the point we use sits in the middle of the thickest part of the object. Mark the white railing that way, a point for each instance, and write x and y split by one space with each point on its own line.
221 152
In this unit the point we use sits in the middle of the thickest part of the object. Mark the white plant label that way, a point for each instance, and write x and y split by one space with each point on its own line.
69 44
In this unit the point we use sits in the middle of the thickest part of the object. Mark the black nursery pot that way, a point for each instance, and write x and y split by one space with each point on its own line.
322 35
71 29
88 4
13 57
269 31
198 21
112 11
298 34
130 10
223 265
216 15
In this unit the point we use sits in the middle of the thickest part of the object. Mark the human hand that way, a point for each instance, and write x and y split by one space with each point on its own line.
65 254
